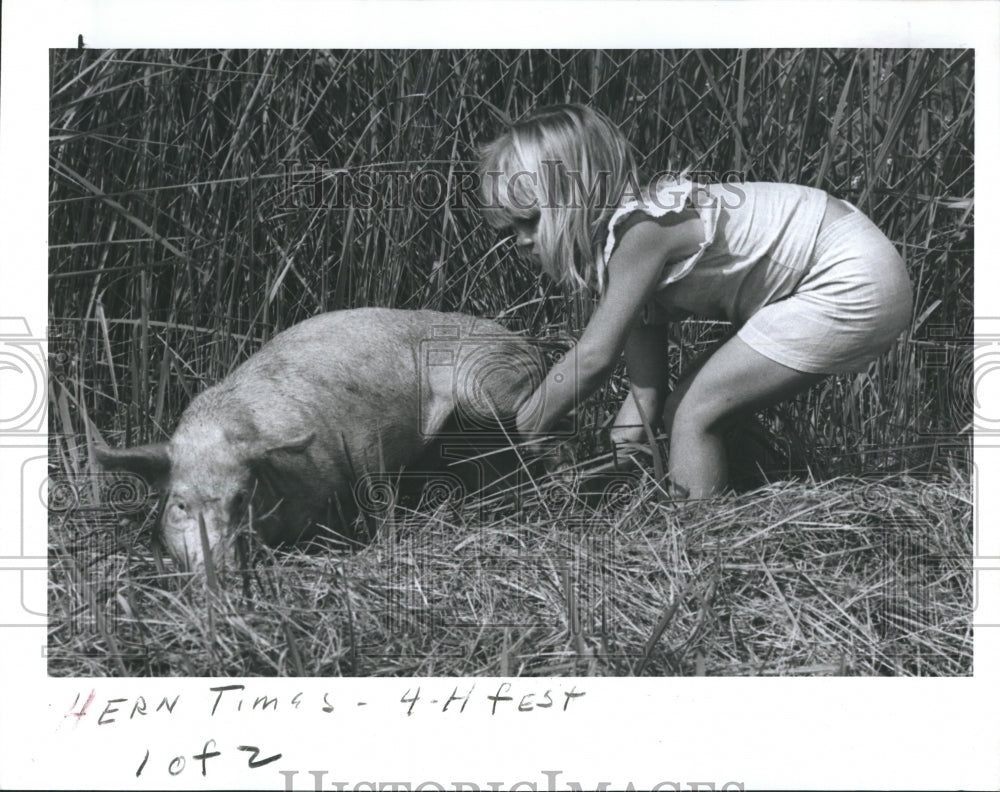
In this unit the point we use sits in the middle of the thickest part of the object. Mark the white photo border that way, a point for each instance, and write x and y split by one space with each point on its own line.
761 733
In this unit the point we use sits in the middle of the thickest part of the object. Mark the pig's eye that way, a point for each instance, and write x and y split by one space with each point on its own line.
241 500
177 510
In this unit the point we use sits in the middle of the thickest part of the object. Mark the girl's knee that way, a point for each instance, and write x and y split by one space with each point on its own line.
699 415
669 413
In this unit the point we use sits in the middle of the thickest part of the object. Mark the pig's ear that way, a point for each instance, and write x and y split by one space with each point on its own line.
265 462
151 462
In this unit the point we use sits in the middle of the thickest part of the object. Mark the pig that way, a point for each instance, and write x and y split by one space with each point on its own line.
327 402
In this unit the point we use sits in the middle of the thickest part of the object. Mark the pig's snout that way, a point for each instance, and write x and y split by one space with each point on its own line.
192 526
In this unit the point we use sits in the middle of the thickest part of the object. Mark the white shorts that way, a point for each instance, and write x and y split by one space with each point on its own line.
853 302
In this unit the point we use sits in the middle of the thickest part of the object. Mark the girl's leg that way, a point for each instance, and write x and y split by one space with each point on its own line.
675 397
734 380
646 360
645 352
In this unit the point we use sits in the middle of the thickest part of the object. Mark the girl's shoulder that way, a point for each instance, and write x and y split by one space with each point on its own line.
663 205
665 226
672 200
685 216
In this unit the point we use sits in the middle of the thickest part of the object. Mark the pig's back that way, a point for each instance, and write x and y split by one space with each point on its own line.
348 376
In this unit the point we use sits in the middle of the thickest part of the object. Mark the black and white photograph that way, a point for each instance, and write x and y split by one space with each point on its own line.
502 378
352 321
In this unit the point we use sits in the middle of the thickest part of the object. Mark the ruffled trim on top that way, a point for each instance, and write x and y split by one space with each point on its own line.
672 197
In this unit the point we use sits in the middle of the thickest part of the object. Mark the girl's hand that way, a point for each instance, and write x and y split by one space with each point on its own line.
553 449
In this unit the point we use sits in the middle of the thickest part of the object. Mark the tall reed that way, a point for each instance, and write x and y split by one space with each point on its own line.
176 247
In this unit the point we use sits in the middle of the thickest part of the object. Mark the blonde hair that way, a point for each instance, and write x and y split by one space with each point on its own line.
568 165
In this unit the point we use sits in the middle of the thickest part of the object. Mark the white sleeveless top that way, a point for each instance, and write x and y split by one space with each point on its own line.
759 238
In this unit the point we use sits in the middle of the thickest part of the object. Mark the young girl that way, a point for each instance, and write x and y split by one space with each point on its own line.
811 284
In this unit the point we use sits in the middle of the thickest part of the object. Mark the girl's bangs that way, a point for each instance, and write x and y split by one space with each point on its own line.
509 192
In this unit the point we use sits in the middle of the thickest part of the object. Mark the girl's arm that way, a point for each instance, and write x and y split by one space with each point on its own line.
646 244
645 359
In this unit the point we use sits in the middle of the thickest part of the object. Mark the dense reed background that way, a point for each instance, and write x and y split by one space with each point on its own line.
177 246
